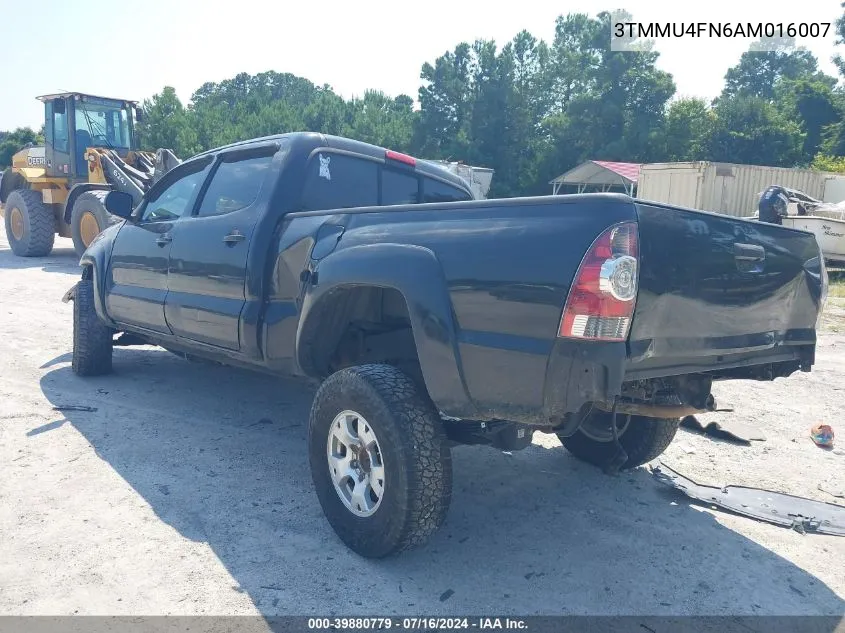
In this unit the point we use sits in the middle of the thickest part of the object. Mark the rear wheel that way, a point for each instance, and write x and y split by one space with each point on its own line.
643 438
30 224
379 460
88 219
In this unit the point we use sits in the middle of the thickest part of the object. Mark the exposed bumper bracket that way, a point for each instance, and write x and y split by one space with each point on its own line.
70 295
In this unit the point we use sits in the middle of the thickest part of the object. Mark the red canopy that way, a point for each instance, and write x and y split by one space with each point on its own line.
600 173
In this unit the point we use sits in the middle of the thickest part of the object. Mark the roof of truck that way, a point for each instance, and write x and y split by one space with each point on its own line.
346 144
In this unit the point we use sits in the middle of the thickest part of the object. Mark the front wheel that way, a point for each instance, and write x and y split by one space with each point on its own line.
92 339
89 218
643 438
379 460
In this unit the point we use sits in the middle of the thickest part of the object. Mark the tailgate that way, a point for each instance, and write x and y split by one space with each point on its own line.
721 288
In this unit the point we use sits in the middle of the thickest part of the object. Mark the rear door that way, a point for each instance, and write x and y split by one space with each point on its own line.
136 285
208 259
713 285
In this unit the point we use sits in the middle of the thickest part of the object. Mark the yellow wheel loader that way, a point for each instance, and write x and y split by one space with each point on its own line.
90 148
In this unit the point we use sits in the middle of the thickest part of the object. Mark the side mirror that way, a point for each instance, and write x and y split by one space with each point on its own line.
139 115
120 204
59 106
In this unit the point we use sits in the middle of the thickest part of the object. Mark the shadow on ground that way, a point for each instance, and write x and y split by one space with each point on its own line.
61 260
220 456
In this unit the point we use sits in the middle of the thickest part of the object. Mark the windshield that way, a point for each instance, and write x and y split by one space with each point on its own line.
107 125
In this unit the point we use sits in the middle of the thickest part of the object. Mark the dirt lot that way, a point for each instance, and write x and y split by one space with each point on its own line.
187 492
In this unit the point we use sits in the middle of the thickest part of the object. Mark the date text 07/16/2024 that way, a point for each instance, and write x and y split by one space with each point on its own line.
416 623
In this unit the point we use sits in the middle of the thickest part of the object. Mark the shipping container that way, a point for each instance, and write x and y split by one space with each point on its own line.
730 188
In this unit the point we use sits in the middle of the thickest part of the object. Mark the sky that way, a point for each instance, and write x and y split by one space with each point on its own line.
132 50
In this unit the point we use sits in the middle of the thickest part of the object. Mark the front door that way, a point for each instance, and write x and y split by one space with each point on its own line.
136 285
208 259
57 150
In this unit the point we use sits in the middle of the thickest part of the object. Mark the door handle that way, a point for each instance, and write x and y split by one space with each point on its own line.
234 237
164 239
749 252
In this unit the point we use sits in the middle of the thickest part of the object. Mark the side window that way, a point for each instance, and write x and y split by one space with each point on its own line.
174 200
60 132
235 184
336 181
437 191
399 188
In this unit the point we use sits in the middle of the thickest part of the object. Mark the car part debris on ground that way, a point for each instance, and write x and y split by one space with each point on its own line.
802 515
822 435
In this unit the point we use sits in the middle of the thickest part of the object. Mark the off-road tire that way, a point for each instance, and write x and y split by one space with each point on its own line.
643 440
92 339
95 202
417 460
39 224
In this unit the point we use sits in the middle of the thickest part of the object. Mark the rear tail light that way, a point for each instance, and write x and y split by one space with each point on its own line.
601 300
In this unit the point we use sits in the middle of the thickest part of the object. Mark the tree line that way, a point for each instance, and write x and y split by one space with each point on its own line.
533 109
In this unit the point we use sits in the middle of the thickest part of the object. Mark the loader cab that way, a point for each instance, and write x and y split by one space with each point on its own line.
74 122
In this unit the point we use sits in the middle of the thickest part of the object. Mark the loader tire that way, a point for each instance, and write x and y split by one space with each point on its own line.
643 439
89 218
92 339
30 224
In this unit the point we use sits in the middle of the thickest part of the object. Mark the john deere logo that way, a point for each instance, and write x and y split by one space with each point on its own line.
34 161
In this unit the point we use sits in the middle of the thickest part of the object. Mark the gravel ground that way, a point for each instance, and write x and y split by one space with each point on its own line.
187 492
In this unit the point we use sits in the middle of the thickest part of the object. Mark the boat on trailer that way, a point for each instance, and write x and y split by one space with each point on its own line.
824 219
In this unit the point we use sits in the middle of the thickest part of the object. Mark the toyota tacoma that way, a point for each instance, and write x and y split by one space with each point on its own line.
431 319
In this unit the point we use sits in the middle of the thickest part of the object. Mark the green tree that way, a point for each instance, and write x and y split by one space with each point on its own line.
531 109
613 108
382 120
165 124
687 127
812 103
758 72
445 102
833 164
752 130
12 142
840 39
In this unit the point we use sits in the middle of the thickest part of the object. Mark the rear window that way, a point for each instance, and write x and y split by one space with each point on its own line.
235 185
336 181
438 191
399 188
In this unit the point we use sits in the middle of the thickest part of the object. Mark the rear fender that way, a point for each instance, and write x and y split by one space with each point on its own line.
416 274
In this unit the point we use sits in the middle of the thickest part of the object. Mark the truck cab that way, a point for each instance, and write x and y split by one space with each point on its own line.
74 122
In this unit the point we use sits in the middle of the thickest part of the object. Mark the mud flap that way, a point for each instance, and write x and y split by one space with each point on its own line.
802 515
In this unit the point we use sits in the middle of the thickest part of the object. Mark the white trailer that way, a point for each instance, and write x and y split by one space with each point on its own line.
730 188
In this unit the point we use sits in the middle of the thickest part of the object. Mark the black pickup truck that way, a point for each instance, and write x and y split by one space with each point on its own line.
433 319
